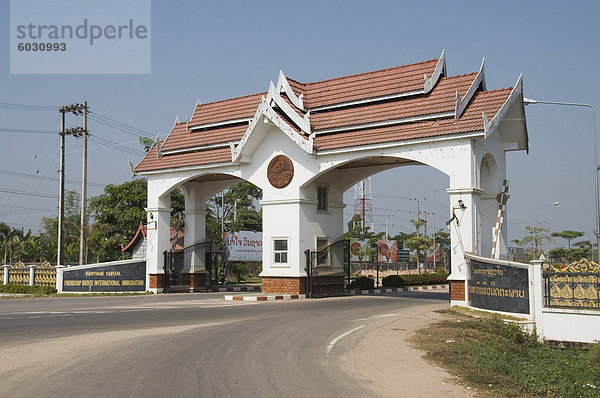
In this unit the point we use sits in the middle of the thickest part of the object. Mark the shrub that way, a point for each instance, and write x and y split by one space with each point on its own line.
393 280
26 289
414 279
239 270
362 283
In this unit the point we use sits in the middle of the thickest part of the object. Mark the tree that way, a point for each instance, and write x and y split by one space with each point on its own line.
442 238
15 244
417 244
418 224
146 143
401 238
49 235
583 249
5 231
238 211
568 235
117 214
536 238
358 230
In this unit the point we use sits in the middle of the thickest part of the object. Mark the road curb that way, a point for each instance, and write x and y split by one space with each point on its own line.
236 289
397 289
273 297
266 297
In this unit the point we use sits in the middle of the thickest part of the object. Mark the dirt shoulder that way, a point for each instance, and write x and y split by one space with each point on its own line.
386 360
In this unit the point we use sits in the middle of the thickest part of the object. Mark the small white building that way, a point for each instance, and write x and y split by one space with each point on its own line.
304 144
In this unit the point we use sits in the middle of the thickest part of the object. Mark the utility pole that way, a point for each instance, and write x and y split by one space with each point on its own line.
386 227
223 214
418 221
76 109
61 191
82 232
235 211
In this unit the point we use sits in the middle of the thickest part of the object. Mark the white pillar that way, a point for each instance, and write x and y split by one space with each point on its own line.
536 295
6 273
195 222
31 275
157 239
464 235
281 221
59 278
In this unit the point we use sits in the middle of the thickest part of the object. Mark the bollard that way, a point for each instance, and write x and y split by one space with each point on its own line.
31 275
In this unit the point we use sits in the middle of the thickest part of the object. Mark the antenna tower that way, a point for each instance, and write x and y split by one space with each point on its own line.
363 203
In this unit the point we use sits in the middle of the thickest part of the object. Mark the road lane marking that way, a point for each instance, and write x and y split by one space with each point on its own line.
376 316
341 336
113 310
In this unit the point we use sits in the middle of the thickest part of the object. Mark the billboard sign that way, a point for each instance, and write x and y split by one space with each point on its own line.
116 276
243 246
498 287
360 251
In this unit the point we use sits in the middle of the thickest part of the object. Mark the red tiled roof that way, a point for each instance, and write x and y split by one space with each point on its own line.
402 79
297 87
487 101
442 99
182 138
150 162
389 81
229 109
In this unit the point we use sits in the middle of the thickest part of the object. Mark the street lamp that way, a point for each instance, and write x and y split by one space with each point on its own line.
528 101
533 231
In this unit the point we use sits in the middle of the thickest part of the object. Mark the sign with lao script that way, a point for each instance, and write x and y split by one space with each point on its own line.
498 287
124 276
243 246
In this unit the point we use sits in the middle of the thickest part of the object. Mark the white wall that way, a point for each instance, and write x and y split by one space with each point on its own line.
571 325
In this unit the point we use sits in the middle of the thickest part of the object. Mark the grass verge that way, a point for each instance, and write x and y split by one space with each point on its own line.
45 291
101 294
499 359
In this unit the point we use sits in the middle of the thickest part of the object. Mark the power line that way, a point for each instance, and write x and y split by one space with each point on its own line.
11 213
17 192
28 107
114 145
45 178
25 131
29 166
119 125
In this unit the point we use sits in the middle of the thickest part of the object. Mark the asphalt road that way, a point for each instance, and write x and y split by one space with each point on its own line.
189 345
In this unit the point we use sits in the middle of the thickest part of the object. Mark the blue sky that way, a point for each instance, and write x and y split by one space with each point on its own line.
210 51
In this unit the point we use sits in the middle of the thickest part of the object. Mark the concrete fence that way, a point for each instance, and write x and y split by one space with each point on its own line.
42 274
558 306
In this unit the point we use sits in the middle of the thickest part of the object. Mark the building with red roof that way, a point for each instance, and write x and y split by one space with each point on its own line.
304 144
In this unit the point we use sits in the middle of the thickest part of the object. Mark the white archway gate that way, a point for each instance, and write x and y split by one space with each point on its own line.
304 144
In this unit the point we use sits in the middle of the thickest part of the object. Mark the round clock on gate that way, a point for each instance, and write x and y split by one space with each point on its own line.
280 171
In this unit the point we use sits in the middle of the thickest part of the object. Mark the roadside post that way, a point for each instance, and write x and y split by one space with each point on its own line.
375 247
31 275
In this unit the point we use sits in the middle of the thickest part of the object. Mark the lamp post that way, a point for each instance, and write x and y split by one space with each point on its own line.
434 230
596 231
533 231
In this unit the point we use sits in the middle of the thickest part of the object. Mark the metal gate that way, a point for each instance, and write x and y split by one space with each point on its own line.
328 270
178 267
